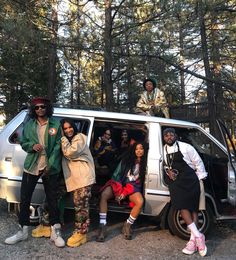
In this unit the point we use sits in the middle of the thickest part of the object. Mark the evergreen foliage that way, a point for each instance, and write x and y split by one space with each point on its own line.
97 53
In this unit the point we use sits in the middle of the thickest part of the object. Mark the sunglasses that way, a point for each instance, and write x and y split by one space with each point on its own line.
38 107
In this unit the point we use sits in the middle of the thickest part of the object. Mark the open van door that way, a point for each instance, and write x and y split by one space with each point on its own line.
232 162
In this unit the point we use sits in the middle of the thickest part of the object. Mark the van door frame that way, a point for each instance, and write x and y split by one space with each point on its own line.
231 194
156 192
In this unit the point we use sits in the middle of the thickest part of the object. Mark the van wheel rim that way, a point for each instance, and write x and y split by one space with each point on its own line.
182 225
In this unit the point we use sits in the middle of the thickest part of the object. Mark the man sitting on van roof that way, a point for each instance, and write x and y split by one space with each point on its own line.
152 101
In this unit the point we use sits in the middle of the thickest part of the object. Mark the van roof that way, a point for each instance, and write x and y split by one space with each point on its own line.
116 115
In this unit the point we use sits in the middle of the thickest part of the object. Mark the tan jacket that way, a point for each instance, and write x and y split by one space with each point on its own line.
77 162
157 101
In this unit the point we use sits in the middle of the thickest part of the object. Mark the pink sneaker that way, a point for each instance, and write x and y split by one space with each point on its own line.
202 249
190 248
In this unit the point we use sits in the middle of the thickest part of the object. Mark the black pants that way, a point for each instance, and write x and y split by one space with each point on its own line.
50 183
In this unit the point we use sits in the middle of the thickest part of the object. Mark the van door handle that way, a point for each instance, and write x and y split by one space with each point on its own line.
8 159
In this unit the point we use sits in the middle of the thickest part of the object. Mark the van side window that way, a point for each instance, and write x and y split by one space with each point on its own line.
15 137
82 124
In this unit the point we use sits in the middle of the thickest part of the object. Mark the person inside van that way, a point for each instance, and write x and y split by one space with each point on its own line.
126 182
105 149
125 142
41 141
152 101
185 170
79 174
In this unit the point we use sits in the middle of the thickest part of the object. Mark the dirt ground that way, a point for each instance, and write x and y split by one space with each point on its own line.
150 242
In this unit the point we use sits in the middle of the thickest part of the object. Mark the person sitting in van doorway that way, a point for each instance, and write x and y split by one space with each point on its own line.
105 149
127 182
185 170
79 174
41 140
152 101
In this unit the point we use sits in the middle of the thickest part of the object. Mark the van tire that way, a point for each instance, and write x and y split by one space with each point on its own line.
178 227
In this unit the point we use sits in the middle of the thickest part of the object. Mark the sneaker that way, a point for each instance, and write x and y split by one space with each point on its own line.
41 231
56 235
77 239
202 249
190 248
101 233
126 230
21 235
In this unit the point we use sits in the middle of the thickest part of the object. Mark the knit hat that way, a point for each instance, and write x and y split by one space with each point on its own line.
40 100
169 130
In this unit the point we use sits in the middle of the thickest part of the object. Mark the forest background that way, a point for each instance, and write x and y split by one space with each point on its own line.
95 54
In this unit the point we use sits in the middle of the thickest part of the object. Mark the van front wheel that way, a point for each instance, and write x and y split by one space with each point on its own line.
178 227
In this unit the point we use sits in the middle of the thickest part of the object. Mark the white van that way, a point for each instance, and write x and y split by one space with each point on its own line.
220 164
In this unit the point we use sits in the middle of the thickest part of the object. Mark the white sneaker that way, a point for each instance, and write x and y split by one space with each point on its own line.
56 235
21 235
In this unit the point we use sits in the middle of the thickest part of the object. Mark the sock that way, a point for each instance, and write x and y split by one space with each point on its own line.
194 230
103 218
192 237
131 220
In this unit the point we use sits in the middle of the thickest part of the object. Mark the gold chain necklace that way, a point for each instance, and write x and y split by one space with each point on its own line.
170 158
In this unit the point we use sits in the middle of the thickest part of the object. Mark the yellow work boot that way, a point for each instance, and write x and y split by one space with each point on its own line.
41 231
77 239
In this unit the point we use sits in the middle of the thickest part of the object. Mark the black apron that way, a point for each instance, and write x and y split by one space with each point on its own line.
185 190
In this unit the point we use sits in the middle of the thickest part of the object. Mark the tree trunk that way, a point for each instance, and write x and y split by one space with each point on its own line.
215 57
53 53
130 98
102 86
108 57
72 89
181 60
210 87
78 78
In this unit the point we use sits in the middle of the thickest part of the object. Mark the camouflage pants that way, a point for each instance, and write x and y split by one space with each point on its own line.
81 204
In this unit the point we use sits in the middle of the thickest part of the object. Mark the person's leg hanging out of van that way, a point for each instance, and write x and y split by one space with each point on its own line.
137 200
107 194
102 218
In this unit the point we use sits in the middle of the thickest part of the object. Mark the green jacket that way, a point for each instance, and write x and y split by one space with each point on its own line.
52 145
